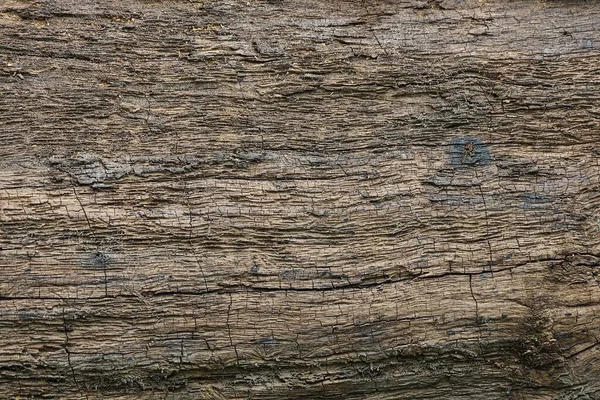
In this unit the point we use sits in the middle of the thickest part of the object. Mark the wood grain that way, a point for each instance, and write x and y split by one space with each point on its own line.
300 199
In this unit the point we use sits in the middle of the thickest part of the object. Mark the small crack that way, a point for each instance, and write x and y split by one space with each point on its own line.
477 321
192 245
66 347
487 231
591 346
84 213
237 357
181 354
89 224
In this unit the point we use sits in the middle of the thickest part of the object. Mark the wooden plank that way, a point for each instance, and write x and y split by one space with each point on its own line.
299 199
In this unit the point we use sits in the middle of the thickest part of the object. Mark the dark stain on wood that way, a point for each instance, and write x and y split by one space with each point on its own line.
466 151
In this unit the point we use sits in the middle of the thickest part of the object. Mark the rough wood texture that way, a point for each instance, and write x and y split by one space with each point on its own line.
300 199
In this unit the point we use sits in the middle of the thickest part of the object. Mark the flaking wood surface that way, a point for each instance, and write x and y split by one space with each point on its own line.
299 199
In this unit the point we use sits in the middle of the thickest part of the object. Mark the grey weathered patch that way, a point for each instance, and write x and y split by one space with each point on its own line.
267 341
535 200
467 151
96 260
101 172
255 269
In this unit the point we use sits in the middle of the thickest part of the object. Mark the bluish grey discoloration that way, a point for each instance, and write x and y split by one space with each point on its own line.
254 269
29 315
267 341
535 200
96 260
467 151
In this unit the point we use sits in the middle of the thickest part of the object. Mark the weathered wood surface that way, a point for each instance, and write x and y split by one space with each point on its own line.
300 199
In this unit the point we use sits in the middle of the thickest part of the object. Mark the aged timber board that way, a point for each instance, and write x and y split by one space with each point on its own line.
299 199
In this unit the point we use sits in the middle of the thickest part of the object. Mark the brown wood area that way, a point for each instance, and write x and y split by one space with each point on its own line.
299 199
